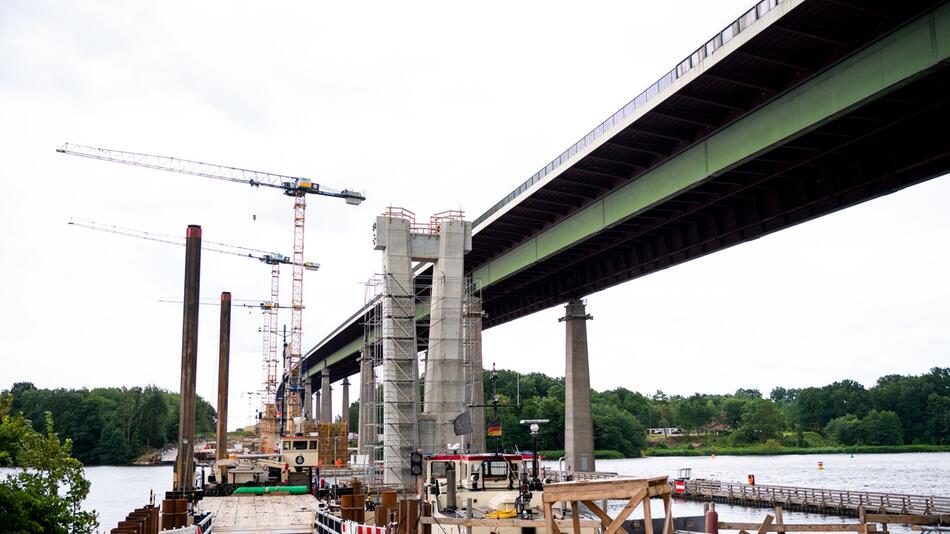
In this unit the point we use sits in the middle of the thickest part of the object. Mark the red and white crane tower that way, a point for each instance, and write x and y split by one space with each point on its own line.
274 259
296 187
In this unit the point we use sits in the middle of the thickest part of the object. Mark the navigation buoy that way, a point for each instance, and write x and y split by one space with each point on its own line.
821 466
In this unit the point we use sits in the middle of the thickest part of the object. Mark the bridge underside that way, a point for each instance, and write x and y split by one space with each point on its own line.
872 150
830 104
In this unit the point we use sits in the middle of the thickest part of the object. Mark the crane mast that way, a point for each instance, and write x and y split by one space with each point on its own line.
298 188
270 308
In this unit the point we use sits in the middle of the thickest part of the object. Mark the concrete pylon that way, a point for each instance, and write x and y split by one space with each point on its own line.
367 429
326 410
445 372
345 401
473 360
308 399
578 421
317 404
400 364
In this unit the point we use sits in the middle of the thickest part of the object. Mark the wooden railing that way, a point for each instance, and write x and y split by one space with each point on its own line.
849 502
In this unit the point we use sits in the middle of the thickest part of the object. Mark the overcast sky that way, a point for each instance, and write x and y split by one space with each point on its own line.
429 106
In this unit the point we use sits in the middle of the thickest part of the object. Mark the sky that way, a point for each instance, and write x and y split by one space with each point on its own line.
425 105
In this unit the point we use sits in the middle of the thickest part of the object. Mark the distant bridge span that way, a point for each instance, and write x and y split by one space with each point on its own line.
796 110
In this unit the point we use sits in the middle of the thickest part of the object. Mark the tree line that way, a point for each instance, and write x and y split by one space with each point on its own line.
108 425
898 409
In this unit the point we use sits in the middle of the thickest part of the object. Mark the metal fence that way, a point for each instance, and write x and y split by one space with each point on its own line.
818 498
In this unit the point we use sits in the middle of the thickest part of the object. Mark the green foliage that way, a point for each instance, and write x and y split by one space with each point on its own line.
761 421
353 416
881 428
110 425
45 496
615 428
899 409
692 413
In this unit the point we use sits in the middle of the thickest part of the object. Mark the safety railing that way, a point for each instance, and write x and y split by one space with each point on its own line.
820 498
684 66
327 523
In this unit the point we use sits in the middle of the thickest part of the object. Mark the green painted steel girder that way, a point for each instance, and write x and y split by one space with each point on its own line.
883 66
352 348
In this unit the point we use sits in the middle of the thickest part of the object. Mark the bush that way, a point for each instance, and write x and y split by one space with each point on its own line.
608 454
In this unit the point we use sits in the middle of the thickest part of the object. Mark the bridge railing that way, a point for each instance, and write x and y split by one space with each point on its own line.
684 66
819 497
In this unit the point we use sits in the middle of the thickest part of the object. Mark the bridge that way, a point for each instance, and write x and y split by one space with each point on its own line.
797 109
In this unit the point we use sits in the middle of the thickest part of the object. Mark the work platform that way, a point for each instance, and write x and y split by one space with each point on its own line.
270 514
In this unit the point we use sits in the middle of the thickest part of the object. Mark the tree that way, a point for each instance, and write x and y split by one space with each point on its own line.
732 409
691 413
46 495
845 430
748 393
761 421
881 428
938 418
616 429
353 417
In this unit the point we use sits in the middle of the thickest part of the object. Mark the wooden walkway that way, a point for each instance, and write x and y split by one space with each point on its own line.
271 514
828 501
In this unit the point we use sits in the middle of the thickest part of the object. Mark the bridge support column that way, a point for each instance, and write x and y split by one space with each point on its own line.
473 361
308 399
317 404
345 404
367 429
578 421
445 371
400 362
326 410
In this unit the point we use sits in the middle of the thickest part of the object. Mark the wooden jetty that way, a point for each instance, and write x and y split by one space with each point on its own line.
284 514
848 503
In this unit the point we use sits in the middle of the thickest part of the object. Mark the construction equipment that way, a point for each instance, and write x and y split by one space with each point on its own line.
296 187
263 305
275 260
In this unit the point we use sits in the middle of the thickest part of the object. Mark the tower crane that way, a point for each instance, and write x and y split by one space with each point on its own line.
262 305
296 187
274 259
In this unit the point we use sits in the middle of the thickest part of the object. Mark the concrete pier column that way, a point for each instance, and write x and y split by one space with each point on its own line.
317 404
326 410
345 401
473 356
445 372
367 428
308 398
578 422
400 363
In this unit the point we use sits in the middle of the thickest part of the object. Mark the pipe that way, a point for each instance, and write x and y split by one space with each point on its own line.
185 464
224 352
262 490
450 501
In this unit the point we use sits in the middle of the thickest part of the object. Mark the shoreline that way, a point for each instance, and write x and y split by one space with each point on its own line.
754 451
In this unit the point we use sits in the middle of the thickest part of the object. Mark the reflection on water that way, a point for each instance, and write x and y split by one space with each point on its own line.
116 491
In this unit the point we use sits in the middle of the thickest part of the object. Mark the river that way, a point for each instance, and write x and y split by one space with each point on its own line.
117 490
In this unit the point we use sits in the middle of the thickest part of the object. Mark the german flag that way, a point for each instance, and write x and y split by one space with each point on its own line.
494 429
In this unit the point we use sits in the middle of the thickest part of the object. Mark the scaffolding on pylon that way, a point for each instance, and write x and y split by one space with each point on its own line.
472 364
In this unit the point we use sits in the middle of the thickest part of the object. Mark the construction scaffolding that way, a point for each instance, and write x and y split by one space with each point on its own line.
472 365
371 409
